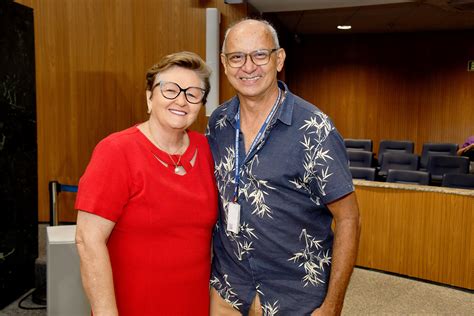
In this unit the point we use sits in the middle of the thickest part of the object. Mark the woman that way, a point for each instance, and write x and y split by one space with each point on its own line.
147 204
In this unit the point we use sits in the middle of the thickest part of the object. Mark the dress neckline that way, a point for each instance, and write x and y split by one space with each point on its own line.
162 155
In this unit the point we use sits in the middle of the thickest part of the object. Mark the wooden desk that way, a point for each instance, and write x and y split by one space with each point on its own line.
418 231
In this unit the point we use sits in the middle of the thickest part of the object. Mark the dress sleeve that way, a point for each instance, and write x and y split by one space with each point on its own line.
104 189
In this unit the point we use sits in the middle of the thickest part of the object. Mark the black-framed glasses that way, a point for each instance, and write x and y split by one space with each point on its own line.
171 90
259 57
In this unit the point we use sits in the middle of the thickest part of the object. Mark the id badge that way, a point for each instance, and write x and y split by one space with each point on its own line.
233 217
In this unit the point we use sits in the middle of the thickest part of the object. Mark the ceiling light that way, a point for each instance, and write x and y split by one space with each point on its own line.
344 27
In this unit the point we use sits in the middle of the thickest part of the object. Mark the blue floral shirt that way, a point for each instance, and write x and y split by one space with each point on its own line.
284 247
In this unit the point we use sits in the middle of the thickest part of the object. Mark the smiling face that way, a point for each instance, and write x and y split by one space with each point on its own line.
176 114
250 80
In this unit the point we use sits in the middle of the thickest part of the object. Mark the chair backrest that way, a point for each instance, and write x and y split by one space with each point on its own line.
439 165
398 161
358 144
458 180
405 146
429 149
363 173
360 158
408 176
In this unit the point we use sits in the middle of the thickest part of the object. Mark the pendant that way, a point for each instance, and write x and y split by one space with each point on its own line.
176 169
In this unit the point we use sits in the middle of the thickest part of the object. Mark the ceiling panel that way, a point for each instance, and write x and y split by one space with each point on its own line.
403 16
298 5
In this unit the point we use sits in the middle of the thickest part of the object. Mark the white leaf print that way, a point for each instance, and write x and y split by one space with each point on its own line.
226 291
315 162
313 264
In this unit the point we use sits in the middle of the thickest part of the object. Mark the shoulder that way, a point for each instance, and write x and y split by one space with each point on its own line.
197 138
220 114
308 116
297 106
305 109
201 142
119 140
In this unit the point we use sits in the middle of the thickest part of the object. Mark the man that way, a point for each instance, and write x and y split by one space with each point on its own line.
274 252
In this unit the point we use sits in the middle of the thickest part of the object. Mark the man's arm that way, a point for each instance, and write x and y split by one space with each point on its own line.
346 241
464 149
91 239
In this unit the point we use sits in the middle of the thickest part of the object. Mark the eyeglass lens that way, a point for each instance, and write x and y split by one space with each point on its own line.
171 90
259 57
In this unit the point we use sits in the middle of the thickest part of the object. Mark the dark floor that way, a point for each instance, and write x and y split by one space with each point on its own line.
13 309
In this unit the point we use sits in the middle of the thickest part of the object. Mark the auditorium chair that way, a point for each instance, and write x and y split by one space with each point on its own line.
358 144
398 161
408 176
429 149
458 180
404 146
439 165
363 173
360 158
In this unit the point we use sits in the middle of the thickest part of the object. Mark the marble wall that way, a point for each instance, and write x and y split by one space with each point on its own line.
18 152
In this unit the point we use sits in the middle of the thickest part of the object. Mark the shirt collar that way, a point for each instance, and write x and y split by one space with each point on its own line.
284 114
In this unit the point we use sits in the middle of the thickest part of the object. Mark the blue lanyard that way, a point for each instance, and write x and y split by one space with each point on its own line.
254 143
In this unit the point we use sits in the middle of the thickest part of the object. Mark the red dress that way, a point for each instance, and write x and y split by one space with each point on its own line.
160 245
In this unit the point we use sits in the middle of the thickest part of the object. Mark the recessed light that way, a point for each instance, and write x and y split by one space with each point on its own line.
344 27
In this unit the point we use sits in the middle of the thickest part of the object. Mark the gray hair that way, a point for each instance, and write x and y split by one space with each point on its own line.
268 25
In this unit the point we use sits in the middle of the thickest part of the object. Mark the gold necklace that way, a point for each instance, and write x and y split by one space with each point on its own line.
176 164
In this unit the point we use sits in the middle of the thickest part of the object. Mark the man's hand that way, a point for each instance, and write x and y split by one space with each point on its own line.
325 311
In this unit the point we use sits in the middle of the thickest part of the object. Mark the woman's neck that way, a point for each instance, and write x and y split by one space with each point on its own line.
169 140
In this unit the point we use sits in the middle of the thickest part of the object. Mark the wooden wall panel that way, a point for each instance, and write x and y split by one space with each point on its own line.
91 59
427 235
390 86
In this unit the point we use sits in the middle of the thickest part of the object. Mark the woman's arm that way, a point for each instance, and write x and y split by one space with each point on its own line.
91 240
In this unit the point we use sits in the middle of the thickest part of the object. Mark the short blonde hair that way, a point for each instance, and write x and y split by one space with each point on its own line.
187 60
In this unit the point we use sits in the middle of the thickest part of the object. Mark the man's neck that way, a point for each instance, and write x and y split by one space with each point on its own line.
254 110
